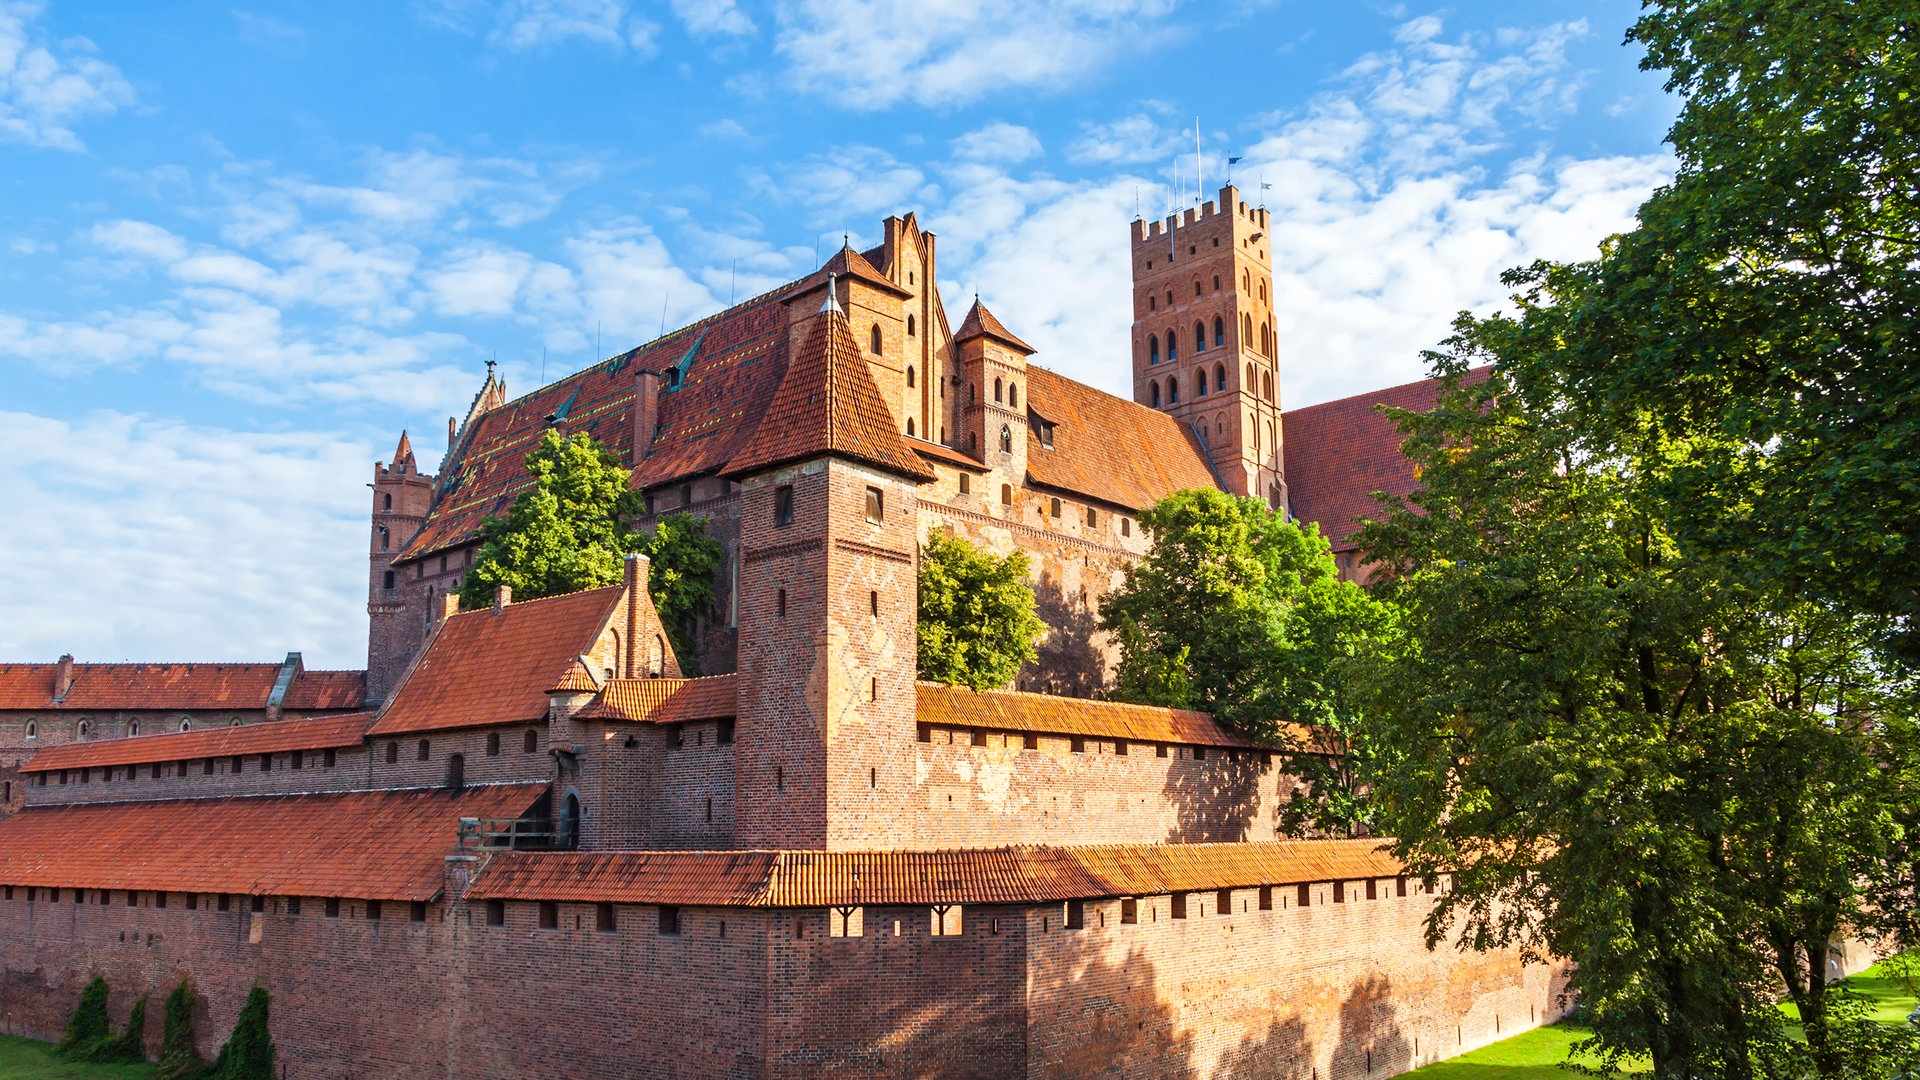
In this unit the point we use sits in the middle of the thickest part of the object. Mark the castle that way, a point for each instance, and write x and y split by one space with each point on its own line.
541 845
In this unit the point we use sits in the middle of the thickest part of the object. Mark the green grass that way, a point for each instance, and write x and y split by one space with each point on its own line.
25 1059
1539 1054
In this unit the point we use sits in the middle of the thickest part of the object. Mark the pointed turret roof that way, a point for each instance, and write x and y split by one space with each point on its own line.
846 263
828 403
403 453
981 323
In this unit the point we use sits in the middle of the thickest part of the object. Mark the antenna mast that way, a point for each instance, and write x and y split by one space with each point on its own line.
1199 189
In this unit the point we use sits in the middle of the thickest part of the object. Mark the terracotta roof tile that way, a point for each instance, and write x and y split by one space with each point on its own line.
947 454
1338 453
316 733
1008 710
376 845
846 263
488 667
986 876
326 690
665 701
828 404
981 323
140 686
1108 448
576 680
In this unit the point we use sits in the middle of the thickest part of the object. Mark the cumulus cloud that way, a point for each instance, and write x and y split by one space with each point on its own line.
871 54
181 542
535 24
1126 141
44 92
998 141
710 17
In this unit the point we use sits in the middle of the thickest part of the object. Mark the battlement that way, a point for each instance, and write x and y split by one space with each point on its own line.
1145 232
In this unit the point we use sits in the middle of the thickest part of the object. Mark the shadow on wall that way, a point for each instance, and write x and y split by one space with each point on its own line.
1370 1041
1072 662
1217 798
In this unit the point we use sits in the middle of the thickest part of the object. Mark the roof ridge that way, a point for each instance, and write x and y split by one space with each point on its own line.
538 600
1472 375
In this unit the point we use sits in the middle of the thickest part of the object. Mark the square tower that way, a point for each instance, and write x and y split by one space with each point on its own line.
1204 345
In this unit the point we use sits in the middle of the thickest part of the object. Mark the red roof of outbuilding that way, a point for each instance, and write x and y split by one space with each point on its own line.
327 690
1109 448
1338 453
1011 875
177 686
665 701
495 666
316 733
375 845
1009 710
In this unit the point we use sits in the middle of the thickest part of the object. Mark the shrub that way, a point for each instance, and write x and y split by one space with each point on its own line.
178 1061
248 1053
129 1045
87 1026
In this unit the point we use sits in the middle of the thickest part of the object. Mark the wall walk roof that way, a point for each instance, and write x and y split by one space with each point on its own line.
317 733
665 701
104 687
1009 875
495 667
1338 453
1010 710
375 845
1108 448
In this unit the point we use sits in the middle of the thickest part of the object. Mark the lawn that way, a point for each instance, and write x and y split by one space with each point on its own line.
1538 1054
25 1059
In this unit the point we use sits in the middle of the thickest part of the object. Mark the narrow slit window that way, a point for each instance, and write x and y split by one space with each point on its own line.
876 506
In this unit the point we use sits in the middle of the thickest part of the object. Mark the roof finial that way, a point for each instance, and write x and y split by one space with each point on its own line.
833 298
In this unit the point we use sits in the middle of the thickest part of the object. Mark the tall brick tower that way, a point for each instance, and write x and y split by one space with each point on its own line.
828 560
401 498
1204 345
993 368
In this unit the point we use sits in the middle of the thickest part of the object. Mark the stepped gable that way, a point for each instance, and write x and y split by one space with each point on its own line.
665 701
495 666
1048 714
315 733
828 404
141 686
1108 448
1338 453
981 323
1011 875
372 845
724 371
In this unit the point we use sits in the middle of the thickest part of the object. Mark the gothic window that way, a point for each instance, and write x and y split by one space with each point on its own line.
456 772
1200 383
1271 441
909 427
1199 337
1196 288
1006 439
1216 279
1173 390
1266 386
780 604
1169 297
83 728
1153 348
386 580
1266 342
656 658
133 728
33 729
1243 281
1250 380
1156 394
1173 348
1220 377
999 390
386 501
909 326
909 375
876 339
529 741
1219 332
1219 423
1153 303
1013 395
1246 331
1263 292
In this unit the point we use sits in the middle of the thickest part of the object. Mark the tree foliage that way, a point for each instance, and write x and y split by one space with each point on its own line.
248 1053
685 564
567 532
87 1024
977 622
1237 611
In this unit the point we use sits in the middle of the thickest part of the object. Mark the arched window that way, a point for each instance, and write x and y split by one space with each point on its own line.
1246 331
1196 287
1155 394
1173 390
1250 383
1173 348
1013 395
1263 292
1006 494
970 389
186 724
1271 441
1220 377
1266 386
1219 423
1006 439
1219 332
999 390
1255 428
909 326
386 501
1153 349
133 728
1243 281
456 772
384 538
910 376
570 822
386 580
909 426
1153 302
1266 342
1199 337
1216 283
1169 297
33 729
876 339
82 728
1200 383
657 658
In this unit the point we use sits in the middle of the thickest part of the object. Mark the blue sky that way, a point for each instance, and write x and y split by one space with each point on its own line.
242 246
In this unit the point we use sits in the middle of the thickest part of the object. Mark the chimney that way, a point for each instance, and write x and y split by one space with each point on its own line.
450 432
448 607
634 576
63 681
502 596
646 412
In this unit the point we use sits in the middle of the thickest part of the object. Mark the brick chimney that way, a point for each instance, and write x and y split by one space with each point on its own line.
646 412
449 605
502 596
634 575
63 680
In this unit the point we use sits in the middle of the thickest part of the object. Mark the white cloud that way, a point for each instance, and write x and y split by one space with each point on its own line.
42 95
998 141
1127 141
846 185
536 24
265 29
713 17
724 128
183 543
875 53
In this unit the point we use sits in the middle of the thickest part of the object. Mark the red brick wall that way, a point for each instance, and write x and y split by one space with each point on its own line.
349 772
656 795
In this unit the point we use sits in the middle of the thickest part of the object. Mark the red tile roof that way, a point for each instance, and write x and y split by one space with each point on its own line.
495 667
1108 448
317 733
981 323
828 404
376 845
1012 875
177 686
326 690
1008 710
665 701
1337 454
846 263
726 366
946 454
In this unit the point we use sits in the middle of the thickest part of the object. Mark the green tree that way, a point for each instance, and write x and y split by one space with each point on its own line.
87 1024
178 1058
248 1052
977 624
1629 754
684 565
1237 611
567 532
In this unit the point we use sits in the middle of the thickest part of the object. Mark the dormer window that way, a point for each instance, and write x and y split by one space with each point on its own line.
1043 429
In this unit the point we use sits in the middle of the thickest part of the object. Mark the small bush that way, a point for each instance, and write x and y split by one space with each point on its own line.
87 1026
248 1054
129 1045
178 1060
